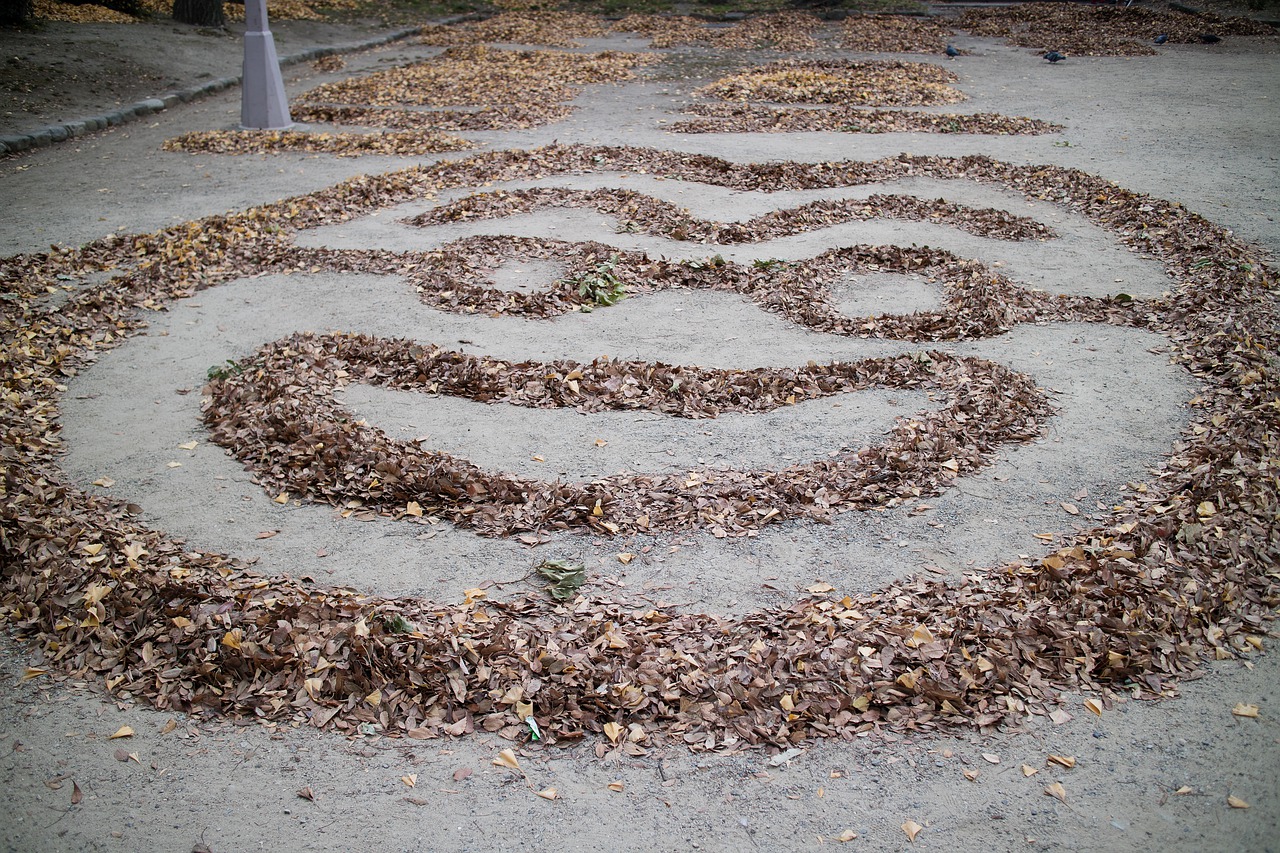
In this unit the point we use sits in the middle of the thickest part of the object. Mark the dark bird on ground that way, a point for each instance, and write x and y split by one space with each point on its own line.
952 52
1210 38
1162 38
1054 56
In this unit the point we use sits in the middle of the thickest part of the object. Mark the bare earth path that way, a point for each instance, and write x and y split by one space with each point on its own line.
1195 125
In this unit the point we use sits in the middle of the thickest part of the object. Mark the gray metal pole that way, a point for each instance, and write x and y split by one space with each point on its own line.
263 105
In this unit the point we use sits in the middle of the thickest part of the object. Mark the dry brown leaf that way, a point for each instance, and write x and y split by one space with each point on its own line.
616 787
549 794
410 780
971 775
912 829
123 731
1067 761
307 794
849 835
1094 705
1028 770
1236 803
1057 791
1244 709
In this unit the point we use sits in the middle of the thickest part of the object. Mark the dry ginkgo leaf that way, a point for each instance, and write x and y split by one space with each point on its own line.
549 794
1094 705
849 835
612 731
616 787
912 829
1028 770
990 758
1236 803
506 758
1244 709
410 779
1056 790
1067 761
123 731
972 775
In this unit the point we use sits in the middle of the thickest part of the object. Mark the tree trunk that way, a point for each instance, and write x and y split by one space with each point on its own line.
201 13
15 11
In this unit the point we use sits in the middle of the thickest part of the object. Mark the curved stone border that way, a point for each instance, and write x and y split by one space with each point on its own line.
62 131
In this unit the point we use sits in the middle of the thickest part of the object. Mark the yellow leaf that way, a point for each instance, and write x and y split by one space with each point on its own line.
920 636
1184 790
95 593
1028 770
616 787
971 775
1067 761
625 558
93 549
821 587
600 442
549 794
1243 709
951 465
413 508
1206 509
1056 790
104 482
524 710
537 458
410 780
312 686
282 498
172 464
912 829
169 726
1094 705
507 759
123 731
597 510
374 698
787 703
232 639
33 672
189 445
847 835
613 731
361 628
1237 803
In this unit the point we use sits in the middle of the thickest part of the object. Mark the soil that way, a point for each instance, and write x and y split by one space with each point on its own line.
1194 124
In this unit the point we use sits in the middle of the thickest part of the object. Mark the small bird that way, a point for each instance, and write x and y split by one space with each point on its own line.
952 52
1162 38
1054 56
1210 38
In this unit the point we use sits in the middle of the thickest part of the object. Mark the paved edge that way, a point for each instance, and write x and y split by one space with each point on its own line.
54 133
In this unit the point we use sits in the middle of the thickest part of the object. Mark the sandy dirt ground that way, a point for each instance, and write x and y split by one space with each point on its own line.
1193 124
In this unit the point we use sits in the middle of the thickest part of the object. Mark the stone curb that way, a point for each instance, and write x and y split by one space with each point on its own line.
17 142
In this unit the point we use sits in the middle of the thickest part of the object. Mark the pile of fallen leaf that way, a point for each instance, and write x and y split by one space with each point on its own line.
511 88
276 413
841 82
89 13
403 143
1184 570
761 118
894 34
1083 30
666 30
559 29
638 212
